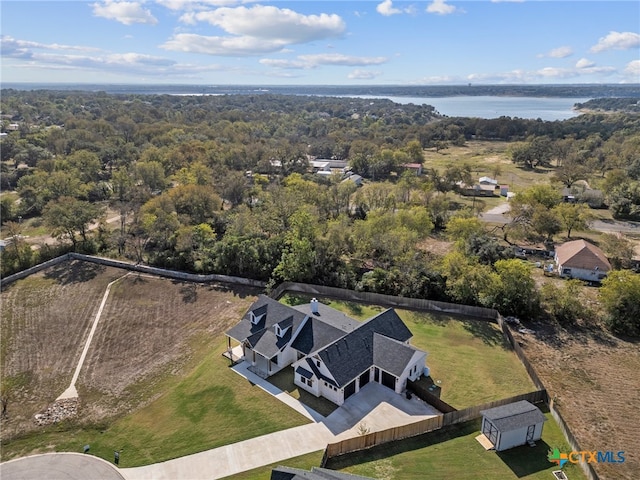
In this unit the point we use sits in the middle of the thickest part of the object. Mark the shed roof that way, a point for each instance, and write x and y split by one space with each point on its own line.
514 415
581 254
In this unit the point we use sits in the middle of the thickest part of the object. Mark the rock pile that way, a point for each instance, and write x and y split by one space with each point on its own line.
60 410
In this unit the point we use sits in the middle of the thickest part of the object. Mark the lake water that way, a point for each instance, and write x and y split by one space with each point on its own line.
545 108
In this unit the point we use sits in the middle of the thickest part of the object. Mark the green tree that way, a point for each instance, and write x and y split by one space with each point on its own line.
565 304
573 216
618 249
68 216
515 293
620 297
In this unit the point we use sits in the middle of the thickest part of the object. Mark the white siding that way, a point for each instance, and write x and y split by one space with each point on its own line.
517 437
413 371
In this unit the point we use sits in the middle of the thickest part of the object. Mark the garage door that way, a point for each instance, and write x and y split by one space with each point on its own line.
349 389
364 379
388 380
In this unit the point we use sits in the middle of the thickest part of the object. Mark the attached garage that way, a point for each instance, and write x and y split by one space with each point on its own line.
350 389
388 380
512 425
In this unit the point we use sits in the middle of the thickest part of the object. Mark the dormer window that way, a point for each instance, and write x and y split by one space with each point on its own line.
253 317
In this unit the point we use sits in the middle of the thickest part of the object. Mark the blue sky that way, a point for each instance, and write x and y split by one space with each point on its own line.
222 42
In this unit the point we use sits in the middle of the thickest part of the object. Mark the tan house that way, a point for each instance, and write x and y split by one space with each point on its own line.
582 260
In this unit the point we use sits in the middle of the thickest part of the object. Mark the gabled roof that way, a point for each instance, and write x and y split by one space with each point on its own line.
273 311
391 355
316 473
581 254
314 335
349 356
514 416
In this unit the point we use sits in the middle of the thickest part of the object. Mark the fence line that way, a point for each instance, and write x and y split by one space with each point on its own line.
449 418
386 300
35 269
573 442
433 400
421 427
134 267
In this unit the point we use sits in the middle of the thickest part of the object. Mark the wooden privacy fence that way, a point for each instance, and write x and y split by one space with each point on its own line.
423 426
385 300
424 394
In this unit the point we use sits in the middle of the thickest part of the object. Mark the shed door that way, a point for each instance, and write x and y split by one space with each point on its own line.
490 431
531 430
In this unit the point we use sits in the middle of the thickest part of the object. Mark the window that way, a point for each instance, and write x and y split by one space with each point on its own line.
566 271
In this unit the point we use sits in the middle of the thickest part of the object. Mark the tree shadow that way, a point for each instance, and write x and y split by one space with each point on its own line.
189 293
397 447
525 460
67 273
485 331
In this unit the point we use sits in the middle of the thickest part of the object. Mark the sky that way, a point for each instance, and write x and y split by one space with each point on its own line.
389 42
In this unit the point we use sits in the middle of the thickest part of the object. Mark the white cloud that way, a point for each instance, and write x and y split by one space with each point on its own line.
11 47
315 60
617 41
560 52
363 74
127 13
255 31
633 68
197 4
285 64
340 59
387 9
268 22
440 7
584 63
222 46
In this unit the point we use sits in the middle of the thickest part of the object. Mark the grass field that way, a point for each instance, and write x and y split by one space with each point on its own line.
470 358
155 385
453 453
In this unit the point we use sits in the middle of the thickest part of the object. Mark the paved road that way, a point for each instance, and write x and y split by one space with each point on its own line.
499 215
59 466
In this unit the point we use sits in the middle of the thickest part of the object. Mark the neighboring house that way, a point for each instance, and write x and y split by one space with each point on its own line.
582 260
413 167
512 425
477 190
316 473
355 178
488 181
332 355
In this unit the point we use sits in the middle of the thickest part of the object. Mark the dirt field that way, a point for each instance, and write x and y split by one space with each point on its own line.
147 331
595 379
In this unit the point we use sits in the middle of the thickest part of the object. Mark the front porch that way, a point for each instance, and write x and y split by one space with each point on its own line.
234 354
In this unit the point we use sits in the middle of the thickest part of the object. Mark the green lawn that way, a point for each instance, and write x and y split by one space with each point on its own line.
470 358
453 453
284 381
209 407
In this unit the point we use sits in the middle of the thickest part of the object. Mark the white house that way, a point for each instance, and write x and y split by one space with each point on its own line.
582 260
332 355
512 425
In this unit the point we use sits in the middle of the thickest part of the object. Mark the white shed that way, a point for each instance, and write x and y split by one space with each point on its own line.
512 425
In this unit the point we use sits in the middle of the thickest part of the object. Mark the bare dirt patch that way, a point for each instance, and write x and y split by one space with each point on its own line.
148 330
595 379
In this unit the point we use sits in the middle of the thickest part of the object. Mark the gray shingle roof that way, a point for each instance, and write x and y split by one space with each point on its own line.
315 335
275 312
514 415
349 356
391 355
316 473
330 316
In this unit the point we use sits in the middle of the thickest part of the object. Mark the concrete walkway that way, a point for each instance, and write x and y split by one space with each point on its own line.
71 391
375 408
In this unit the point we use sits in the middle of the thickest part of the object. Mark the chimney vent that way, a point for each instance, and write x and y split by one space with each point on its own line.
314 306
